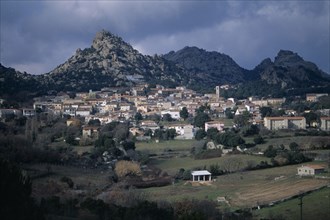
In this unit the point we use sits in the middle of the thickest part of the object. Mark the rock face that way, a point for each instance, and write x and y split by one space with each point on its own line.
211 68
289 69
112 62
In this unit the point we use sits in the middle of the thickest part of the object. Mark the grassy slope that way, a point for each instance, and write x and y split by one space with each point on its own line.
172 165
315 206
244 189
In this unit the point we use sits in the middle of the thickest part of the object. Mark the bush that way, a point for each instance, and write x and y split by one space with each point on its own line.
127 168
200 134
186 175
67 180
258 140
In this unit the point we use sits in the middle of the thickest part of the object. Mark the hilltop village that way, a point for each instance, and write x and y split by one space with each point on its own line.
145 107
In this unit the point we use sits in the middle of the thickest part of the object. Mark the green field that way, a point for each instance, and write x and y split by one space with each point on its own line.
227 162
242 189
316 205
306 142
175 145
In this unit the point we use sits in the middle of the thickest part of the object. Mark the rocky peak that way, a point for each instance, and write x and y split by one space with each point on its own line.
213 67
287 58
263 65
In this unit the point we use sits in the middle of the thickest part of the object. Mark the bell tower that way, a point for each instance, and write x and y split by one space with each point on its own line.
217 92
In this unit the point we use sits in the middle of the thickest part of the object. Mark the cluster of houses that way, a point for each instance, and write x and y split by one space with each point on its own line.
112 104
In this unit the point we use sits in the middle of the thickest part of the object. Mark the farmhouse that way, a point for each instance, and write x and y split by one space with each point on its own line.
201 175
310 170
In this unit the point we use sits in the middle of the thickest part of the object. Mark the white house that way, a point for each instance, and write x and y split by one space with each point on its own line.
184 131
174 114
214 124
29 112
83 112
310 170
201 175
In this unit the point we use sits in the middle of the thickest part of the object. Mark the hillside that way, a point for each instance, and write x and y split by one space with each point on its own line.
289 69
210 68
110 61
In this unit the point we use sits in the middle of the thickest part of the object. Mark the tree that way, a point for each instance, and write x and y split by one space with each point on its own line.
228 113
311 117
249 130
270 151
229 139
243 119
265 111
94 122
212 133
258 139
167 117
184 113
294 146
138 116
200 119
200 134
15 200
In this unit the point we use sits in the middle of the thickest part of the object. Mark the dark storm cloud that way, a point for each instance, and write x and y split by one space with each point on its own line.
36 36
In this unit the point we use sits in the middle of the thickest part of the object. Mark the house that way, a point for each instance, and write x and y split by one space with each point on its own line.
184 131
73 122
83 112
29 112
8 112
261 103
214 124
275 123
149 124
90 132
174 114
310 170
325 123
201 175
313 97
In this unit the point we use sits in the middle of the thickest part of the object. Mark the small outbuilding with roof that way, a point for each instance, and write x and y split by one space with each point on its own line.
201 175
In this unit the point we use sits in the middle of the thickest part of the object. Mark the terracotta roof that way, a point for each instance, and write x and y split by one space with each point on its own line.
282 118
314 166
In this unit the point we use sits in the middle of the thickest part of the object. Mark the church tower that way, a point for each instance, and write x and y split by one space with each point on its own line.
217 92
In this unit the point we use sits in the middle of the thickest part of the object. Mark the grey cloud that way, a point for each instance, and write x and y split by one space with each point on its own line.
38 36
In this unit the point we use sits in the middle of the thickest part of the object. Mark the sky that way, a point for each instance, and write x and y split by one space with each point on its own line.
37 36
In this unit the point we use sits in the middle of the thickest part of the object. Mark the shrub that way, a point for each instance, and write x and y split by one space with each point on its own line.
258 140
67 180
127 168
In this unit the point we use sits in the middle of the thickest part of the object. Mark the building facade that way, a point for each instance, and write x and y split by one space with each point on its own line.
310 170
325 123
275 123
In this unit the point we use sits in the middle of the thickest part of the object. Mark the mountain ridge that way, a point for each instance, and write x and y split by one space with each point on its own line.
110 61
